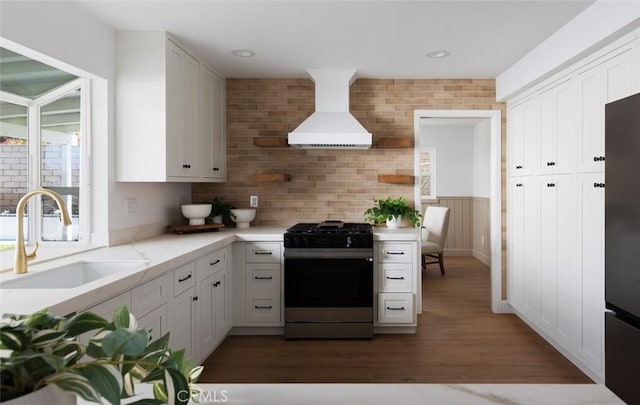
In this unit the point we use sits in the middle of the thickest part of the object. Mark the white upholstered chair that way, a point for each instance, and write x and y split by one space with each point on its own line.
435 226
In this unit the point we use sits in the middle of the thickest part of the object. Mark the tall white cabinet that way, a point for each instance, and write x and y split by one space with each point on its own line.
555 202
169 112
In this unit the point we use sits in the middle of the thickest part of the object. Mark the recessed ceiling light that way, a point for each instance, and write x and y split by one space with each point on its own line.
243 53
440 53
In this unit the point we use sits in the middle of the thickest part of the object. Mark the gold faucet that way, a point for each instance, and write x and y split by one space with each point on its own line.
21 257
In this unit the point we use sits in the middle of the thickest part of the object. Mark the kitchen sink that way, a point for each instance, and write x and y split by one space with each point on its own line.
73 275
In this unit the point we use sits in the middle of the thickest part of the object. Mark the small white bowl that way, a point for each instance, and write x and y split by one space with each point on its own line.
243 216
196 213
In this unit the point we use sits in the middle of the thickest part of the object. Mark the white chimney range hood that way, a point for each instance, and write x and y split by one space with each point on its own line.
331 126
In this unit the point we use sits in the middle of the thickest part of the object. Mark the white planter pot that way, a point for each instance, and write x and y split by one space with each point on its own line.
394 222
217 219
45 396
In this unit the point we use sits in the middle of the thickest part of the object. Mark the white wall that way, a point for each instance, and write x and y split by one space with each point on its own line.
83 45
454 158
462 158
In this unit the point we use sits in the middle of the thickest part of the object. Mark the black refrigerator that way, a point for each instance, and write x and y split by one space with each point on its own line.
622 248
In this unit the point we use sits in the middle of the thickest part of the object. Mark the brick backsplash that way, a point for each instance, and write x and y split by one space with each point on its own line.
328 184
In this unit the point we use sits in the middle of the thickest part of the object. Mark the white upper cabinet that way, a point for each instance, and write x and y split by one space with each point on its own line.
212 131
558 129
523 124
169 112
181 113
608 79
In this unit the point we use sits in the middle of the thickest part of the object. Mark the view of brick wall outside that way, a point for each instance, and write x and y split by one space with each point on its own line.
14 171
328 184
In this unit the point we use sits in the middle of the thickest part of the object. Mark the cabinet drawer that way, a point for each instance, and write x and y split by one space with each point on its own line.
149 296
395 252
211 263
184 278
263 309
395 277
262 252
263 279
395 308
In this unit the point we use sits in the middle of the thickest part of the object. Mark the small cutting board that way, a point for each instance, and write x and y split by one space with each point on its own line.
182 229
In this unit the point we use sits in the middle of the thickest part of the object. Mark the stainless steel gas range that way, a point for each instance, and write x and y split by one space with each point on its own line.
328 280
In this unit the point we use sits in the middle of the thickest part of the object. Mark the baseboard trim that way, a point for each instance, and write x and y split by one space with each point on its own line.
482 257
598 377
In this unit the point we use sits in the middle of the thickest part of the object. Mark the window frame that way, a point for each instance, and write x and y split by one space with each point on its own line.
34 180
431 173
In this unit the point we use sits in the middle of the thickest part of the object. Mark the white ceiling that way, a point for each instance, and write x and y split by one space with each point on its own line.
381 39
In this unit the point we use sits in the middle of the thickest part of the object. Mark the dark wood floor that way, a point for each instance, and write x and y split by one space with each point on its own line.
459 340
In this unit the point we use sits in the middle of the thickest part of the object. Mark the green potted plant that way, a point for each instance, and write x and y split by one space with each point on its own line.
41 350
391 210
220 210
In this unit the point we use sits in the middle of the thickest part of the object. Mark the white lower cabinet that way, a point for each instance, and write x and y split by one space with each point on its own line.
213 308
155 322
258 284
199 312
396 308
591 266
105 310
396 267
181 311
149 305
557 247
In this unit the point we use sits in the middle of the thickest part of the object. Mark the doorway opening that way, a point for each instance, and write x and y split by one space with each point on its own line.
492 187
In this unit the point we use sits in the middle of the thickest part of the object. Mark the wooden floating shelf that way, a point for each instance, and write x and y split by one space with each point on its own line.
271 142
389 143
271 177
395 178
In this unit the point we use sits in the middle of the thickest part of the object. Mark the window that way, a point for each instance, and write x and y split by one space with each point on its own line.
43 143
428 174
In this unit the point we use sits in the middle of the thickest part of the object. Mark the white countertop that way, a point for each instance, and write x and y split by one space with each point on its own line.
409 394
162 253
405 394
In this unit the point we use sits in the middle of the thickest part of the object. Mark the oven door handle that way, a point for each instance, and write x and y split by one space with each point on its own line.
320 253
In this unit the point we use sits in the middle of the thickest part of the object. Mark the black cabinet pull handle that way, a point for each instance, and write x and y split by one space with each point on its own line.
180 280
217 283
395 309
518 167
215 169
388 252
551 163
395 278
598 185
262 307
518 184
186 166
263 278
262 252
598 158
214 263
551 184
194 298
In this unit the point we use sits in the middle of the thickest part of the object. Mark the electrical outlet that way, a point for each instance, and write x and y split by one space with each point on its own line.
130 206
253 201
